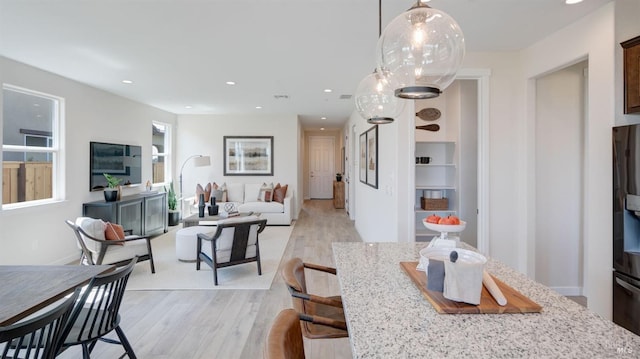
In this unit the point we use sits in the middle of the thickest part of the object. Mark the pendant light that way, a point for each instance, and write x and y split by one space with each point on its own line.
423 48
375 99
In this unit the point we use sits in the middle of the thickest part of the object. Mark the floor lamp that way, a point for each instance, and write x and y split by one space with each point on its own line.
198 161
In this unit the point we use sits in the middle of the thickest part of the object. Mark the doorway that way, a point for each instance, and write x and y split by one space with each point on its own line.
559 171
321 166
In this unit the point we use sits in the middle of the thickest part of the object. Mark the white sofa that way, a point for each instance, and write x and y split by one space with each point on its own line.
245 199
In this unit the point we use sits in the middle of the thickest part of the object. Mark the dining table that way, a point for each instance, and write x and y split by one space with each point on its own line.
25 289
388 315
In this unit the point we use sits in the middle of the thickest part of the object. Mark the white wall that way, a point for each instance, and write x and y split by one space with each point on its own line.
559 157
38 235
591 37
203 134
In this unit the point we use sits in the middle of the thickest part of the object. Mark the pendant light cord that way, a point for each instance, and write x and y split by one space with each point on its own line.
379 18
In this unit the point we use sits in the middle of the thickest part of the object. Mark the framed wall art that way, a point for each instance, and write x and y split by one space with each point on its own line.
248 155
363 157
372 156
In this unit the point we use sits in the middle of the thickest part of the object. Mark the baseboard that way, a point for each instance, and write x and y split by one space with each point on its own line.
570 291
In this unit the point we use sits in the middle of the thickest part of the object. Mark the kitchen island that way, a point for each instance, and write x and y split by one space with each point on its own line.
388 317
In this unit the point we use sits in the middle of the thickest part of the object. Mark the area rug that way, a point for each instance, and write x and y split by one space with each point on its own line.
172 274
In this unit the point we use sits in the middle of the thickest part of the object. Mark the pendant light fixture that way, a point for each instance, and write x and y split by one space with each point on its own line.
423 48
375 99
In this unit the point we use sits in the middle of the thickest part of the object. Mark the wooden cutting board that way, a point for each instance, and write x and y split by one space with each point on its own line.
516 302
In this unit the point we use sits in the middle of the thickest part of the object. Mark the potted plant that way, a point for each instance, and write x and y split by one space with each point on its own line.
172 203
339 177
111 192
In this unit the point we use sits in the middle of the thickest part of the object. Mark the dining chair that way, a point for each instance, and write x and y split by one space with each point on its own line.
329 309
39 336
96 249
96 313
284 340
234 242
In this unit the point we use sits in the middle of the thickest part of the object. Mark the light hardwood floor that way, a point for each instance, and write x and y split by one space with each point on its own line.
228 324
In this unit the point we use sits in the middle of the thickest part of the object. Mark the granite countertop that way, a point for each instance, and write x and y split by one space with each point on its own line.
388 317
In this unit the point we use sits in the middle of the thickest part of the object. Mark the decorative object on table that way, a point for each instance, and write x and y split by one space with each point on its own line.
371 156
434 127
199 161
111 192
213 207
172 203
248 155
429 114
444 229
463 276
516 301
229 207
147 186
339 177
423 49
631 75
201 205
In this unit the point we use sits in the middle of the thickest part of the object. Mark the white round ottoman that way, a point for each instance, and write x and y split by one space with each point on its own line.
187 241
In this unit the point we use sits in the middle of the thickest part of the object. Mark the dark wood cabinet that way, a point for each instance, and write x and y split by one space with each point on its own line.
142 215
631 75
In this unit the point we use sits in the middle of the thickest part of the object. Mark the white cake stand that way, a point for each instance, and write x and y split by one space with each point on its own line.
444 230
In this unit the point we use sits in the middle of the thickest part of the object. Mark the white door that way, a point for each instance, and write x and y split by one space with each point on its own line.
321 167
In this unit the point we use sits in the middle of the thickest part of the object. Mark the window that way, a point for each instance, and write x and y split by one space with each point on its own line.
30 145
161 145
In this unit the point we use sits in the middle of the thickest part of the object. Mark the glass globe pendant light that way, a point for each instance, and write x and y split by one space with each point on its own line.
423 48
375 99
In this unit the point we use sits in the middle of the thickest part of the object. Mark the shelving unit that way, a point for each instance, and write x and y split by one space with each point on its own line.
438 176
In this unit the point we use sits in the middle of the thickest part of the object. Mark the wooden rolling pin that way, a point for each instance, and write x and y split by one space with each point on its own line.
492 287
432 127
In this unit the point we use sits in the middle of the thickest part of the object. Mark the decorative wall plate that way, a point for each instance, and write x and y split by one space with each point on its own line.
429 114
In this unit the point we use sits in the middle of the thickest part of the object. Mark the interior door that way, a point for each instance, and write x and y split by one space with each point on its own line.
321 166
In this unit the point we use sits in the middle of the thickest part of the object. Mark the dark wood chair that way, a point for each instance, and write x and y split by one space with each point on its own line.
96 313
37 337
327 309
234 242
96 250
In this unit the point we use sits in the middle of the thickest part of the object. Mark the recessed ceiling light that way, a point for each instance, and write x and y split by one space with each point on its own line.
230 82
571 2
258 107
328 90
321 128
128 82
323 118
187 106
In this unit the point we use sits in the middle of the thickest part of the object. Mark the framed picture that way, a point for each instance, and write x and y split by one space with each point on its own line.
372 156
248 155
363 157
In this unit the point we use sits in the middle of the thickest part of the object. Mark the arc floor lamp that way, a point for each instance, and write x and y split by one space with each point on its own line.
198 161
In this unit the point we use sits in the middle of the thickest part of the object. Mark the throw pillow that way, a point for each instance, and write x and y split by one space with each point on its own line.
280 192
266 193
206 191
113 231
223 188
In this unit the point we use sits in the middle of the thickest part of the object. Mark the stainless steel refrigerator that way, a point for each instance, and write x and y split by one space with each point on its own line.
626 227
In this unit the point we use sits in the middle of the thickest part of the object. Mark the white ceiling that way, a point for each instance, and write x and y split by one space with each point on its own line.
181 52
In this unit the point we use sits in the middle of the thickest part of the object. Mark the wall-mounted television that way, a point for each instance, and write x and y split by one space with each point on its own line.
121 161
